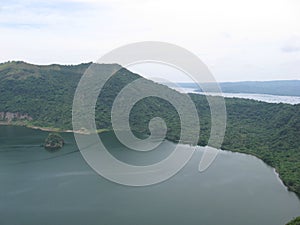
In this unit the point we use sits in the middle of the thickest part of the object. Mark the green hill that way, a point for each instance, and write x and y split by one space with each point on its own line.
42 96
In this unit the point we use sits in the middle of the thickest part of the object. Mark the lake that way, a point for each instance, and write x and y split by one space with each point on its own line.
39 187
293 100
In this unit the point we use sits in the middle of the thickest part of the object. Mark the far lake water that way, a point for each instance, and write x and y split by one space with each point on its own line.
259 97
42 188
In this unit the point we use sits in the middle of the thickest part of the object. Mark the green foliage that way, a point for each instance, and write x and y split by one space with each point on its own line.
54 142
295 221
268 131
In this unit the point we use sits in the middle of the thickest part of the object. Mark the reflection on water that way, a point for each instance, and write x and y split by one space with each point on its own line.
60 188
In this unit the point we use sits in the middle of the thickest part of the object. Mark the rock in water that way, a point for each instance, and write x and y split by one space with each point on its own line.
54 142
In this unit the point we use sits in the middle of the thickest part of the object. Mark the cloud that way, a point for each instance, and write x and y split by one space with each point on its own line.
290 48
224 34
23 25
17 14
292 45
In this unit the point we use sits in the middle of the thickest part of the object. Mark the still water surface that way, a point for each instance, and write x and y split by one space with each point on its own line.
292 100
39 187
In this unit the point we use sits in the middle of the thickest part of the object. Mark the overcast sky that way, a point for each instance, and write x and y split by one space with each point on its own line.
238 40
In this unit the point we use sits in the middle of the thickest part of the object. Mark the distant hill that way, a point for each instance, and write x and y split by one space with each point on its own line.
42 96
280 87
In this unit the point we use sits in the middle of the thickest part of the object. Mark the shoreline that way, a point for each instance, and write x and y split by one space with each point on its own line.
50 129
86 132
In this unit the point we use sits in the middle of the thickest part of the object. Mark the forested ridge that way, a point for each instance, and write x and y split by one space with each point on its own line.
45 93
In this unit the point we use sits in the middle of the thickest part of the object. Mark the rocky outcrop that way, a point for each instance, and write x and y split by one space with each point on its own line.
54 142
10 116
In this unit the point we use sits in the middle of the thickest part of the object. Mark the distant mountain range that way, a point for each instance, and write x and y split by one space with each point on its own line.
278 87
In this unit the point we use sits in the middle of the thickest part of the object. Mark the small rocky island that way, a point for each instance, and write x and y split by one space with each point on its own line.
53 142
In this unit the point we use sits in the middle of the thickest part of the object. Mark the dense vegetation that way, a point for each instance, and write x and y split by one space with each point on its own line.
54 142
268 131
296 221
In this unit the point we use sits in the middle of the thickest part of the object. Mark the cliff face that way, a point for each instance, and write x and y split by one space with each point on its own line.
10 116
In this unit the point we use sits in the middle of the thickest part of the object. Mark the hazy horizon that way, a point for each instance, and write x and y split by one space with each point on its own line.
157 72
238 41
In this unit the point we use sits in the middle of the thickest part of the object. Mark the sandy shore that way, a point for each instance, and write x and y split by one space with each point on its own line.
51 129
